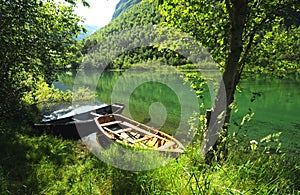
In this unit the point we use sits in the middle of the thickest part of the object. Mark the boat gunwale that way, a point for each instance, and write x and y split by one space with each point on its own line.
147 131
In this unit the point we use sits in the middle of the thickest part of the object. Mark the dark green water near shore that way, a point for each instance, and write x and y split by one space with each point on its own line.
275 103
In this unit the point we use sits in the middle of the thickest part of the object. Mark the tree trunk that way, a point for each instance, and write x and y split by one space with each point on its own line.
219 118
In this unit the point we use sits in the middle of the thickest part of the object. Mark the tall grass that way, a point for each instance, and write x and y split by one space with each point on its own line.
48 165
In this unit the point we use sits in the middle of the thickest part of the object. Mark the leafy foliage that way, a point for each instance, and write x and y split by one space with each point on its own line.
270 38
205 20
280 57
37 38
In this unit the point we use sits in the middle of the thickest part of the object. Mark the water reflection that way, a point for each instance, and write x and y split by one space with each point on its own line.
275 102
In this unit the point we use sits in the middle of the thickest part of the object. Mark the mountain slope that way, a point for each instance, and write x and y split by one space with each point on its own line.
141 14
123 5
135 21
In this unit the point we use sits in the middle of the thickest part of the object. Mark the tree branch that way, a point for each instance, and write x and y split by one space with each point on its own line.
252 33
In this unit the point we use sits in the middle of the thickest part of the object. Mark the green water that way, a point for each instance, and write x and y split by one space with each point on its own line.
276 109
152 99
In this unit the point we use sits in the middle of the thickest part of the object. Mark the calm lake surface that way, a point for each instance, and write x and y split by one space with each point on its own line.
274 102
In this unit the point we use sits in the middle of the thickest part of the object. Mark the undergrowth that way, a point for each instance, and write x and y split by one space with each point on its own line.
44 164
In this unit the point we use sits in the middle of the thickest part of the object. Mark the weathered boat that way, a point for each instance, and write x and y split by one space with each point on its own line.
85 112
131 133
76 123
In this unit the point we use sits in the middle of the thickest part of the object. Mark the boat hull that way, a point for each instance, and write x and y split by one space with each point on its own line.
77 126
82 113
124 131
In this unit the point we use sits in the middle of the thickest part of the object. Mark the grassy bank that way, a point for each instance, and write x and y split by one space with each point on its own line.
44 164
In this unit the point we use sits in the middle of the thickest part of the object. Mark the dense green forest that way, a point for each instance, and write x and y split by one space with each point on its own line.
138 16
122 6
39 39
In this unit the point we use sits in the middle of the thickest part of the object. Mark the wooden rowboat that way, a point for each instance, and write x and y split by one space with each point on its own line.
128 132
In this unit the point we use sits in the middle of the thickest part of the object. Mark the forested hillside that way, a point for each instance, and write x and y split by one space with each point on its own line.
141 14
123 5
